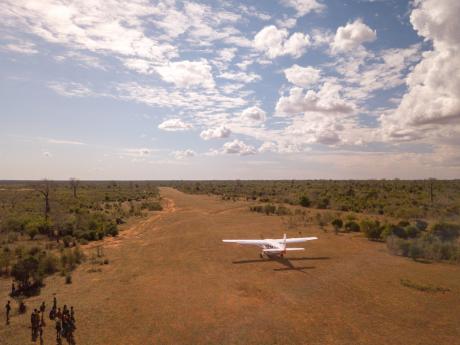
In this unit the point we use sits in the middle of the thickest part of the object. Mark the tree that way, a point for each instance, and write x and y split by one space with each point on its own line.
304 201
44 190
372 229
74 183
337 224
25 269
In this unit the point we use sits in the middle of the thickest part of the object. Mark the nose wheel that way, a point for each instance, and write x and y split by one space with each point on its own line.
261 255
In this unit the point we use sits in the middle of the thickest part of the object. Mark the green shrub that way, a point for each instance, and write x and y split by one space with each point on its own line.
371 229
352 226
445 231
304 201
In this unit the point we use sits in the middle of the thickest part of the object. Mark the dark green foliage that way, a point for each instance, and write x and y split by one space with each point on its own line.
445 231
421 225
371 229
337 224
412 231
352 226
304 201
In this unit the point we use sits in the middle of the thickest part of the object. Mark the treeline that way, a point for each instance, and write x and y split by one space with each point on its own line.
396 198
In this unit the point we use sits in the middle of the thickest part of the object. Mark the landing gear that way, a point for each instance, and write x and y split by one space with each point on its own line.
261 255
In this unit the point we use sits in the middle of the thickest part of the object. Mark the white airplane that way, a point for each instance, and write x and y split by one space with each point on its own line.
274 247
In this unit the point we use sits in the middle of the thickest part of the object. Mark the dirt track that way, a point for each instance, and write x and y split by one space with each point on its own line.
172 281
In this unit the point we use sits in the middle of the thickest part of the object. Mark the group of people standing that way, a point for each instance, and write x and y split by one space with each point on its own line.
64 321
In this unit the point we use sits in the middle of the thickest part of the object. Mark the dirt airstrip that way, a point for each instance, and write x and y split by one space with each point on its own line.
171 280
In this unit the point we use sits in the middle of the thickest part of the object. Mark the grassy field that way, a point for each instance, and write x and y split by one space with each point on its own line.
170 280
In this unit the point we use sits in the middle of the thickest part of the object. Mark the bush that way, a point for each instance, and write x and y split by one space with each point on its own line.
112 229
391 229
304 201
337 224
352 226
421 225
32 231
445 231
371 229
68 278
411 231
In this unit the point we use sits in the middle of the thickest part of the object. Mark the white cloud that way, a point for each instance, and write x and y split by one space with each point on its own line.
27 48
238 147
174 125
254 114
70 89
240 76
184 154
302 76
64 142
276 42
432 101
187 73
214 133
352 36
304 6
327 101
114 27
137 153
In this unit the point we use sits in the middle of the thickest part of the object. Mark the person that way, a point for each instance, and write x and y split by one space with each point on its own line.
22 307
52 313
13 289
8 310
65 311
42 312
33 323
58 329
54 302
72 314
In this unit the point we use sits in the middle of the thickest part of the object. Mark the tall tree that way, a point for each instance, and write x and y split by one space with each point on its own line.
44 190
74 183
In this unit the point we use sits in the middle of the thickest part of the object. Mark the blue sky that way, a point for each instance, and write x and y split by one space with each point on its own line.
276 89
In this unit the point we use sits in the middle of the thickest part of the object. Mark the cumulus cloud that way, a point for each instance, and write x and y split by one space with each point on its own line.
174 125
276 42
432 100
184 154
215 133
352 35
187 73
327 100
302 76
304 6
254 114
238 147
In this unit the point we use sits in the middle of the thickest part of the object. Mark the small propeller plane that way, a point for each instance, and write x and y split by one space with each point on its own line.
274 247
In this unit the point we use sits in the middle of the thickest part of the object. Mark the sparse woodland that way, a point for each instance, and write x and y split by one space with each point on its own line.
44 223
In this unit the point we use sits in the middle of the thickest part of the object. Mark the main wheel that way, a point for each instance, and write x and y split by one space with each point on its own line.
261 255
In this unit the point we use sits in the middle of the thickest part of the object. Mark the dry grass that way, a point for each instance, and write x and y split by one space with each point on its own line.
172 281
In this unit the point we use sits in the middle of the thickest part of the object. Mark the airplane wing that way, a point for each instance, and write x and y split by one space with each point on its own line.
299 239
254 242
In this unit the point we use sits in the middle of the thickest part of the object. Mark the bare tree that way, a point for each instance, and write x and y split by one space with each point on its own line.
44 189
74 183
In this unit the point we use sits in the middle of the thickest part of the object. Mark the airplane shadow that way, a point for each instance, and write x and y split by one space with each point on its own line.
285 262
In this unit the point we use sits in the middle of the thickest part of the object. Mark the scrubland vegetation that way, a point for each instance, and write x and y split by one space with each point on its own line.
417 219
43 224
